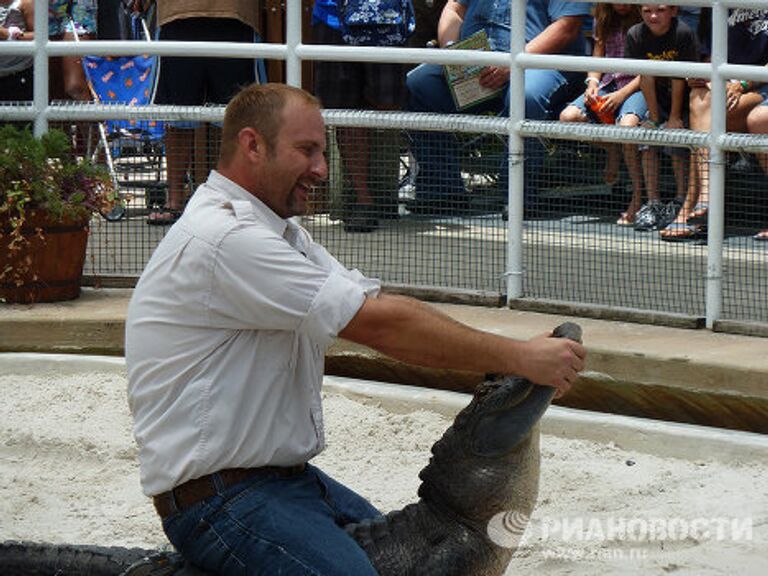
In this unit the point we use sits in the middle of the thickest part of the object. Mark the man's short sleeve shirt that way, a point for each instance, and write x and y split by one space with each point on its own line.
225 339
494 16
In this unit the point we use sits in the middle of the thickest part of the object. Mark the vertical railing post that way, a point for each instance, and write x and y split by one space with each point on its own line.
716 213
40 73
292 40
515 161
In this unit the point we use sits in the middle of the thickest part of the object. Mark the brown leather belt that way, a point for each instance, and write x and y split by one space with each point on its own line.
194 491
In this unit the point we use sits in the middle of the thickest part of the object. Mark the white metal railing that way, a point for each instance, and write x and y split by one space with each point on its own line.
516 127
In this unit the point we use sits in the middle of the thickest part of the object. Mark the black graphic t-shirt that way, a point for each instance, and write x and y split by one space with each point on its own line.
748 36
678 44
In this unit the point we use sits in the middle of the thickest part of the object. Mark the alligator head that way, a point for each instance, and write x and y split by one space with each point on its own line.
485 467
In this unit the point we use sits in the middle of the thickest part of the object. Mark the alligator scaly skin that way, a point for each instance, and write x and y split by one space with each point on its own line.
485 465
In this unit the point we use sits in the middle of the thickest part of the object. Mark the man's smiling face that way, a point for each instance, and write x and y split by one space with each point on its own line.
295 162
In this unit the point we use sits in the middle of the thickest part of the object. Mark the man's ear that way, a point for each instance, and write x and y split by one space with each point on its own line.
251 143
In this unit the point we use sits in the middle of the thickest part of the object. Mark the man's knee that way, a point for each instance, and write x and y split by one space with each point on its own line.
427 91
536 105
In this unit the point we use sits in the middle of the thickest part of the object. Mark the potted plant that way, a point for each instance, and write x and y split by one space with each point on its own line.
47 198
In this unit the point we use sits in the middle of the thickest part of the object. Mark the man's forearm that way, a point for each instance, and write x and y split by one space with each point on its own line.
451 20
411 331
556 37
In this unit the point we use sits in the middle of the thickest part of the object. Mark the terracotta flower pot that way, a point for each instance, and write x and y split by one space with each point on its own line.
48 265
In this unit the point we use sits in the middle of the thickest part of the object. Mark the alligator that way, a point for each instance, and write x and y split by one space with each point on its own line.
477 492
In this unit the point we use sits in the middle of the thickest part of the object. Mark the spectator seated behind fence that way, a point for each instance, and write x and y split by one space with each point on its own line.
747 44
661 36
616 96
552 27
16 24
757 123
198 81
358 86
225 355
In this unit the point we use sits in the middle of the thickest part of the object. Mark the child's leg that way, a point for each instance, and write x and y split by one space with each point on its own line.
679 227
678 169
635 170
650 162
573 113
576 111
694 186
631 111
612 163
702 169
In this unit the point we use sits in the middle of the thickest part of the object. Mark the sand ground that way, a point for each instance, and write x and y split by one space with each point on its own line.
68 473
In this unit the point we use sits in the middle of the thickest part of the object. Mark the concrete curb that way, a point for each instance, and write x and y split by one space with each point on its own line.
675 374
694 443
656 437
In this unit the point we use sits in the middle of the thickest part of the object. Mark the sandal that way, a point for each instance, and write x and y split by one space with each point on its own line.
699 213
163 216
761 236
682 232
625 220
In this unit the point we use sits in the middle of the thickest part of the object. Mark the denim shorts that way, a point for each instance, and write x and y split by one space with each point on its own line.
634 104
272 524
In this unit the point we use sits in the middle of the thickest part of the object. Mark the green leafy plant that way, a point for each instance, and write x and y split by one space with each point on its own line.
42 176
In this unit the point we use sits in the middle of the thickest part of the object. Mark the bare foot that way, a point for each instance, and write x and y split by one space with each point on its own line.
627 218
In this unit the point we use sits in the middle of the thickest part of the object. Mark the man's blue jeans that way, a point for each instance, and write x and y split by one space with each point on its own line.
546 91
275 525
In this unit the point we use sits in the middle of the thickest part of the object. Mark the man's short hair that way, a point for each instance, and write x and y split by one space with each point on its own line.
258 106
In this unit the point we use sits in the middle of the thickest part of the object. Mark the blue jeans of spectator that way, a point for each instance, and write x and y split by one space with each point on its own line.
546 91
275 525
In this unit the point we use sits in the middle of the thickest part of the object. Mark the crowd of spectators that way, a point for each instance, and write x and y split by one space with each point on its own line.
746 103
551 27
653 31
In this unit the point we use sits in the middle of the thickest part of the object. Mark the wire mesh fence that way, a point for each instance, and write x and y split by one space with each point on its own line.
581 244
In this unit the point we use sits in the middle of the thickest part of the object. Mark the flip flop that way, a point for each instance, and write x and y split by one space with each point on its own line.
699 213
682 232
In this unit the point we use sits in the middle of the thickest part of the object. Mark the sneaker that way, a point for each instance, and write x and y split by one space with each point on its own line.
647 218
668 213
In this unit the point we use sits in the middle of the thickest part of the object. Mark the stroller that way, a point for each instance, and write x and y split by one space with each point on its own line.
127 80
